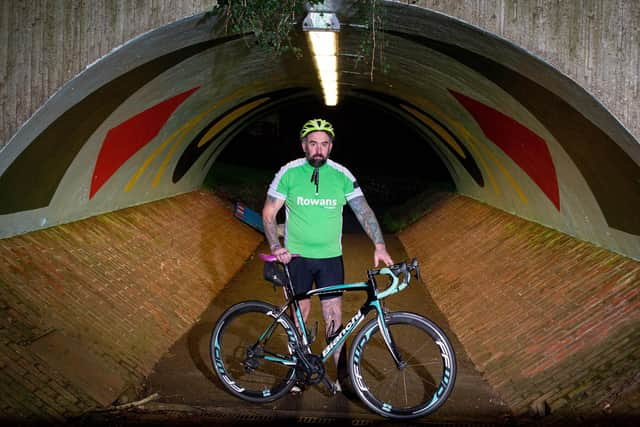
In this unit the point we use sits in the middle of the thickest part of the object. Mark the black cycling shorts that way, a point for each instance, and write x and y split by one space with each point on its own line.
323 271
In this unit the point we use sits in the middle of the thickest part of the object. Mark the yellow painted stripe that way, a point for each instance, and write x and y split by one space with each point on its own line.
437 128
506 173
473 145
148 161
184 129
473 142
167 158
229 118
461 130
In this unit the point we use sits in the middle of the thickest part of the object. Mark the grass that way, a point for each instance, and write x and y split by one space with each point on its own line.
396 218
240 183
249 185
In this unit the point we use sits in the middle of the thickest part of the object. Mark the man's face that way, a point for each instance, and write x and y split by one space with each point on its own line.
317 148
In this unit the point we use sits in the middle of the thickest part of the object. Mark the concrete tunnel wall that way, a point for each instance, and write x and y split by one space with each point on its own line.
183 91
148 120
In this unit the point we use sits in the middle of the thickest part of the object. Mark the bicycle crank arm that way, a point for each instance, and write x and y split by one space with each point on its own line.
330 385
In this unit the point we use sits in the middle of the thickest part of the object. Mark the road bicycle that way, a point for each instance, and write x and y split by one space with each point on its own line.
401 364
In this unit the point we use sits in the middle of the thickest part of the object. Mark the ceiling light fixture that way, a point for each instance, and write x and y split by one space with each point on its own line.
322 30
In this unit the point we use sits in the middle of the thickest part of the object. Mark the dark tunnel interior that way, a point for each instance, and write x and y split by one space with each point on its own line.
392 160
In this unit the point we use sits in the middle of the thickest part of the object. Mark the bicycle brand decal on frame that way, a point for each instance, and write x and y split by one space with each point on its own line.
347 329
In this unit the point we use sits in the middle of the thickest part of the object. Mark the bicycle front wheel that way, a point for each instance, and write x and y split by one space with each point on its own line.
251 351
415 390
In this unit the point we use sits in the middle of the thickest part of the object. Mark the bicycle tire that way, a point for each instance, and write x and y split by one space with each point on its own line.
418 389
249 377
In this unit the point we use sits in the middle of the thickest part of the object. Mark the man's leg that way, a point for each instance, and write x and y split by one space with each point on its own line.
305 308
331 272
302 279
332 314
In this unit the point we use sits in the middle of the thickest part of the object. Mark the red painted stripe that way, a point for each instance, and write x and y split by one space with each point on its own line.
526 148
124 140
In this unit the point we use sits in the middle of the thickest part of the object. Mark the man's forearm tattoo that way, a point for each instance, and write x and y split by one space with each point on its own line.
367 219
271 226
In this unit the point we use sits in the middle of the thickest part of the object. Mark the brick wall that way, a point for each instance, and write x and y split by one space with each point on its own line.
108 296
553 323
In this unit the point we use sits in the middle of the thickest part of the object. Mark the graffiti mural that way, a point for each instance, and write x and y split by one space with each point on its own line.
153 127
522 145
126 139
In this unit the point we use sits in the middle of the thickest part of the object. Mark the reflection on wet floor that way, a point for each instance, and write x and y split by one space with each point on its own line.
184 377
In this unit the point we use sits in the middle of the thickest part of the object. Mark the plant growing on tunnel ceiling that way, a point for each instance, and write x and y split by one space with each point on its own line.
270 21
372 45
273 21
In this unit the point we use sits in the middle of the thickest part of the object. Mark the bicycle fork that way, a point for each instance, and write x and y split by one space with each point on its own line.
388 340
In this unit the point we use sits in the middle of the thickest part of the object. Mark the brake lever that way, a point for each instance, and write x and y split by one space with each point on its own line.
415 267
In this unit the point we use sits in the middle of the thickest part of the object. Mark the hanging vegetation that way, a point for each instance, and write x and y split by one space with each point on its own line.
272 23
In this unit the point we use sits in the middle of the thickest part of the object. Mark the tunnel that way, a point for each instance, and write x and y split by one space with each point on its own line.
535 183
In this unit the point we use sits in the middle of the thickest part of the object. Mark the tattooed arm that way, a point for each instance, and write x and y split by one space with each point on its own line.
368 220
269 212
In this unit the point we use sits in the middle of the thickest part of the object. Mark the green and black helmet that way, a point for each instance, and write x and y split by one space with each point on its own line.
314 125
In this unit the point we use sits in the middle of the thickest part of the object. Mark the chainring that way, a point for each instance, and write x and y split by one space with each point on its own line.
312 375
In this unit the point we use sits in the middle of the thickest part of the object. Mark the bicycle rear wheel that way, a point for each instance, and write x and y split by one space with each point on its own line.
414 391
251 351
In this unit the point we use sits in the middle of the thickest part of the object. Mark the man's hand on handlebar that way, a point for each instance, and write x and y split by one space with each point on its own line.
404 268
281 253
381 254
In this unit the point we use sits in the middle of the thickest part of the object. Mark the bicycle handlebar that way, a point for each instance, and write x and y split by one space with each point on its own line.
403 269
394 271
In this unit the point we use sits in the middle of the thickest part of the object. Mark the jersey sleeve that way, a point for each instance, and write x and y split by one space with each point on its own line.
278 187
351 187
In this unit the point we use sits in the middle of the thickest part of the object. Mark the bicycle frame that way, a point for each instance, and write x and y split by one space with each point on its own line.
265 369
373 302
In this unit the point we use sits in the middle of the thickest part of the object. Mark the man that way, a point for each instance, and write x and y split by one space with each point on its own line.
314 190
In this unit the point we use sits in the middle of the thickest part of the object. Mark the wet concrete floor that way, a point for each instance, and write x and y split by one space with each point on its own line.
187 385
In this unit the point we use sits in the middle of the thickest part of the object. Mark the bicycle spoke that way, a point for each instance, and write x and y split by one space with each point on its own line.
418 386
240 359
406 394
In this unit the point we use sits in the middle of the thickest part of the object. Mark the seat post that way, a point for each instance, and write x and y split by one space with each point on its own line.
293 303
289 284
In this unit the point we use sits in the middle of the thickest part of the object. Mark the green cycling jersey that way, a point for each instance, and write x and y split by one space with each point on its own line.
313 225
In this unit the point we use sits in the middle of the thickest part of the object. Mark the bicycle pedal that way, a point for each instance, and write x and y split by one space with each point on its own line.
333 387
297 389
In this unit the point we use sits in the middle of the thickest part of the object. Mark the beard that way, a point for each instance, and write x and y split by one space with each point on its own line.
316 161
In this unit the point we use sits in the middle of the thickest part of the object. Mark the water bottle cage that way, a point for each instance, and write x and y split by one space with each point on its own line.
331 337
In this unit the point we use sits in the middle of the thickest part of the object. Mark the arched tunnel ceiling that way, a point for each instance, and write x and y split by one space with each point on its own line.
148 121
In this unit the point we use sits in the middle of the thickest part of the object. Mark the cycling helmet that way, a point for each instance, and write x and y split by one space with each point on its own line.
314 125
